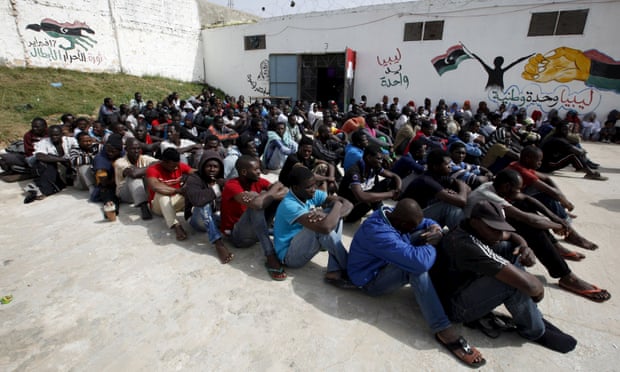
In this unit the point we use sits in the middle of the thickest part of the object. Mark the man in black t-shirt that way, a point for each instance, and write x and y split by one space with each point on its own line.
442 197
479 268
361 186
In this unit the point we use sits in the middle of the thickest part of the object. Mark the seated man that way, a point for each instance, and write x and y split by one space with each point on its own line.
301 229
360 184
19 162
558 152
279 146
532 221
327 147
472 175
203 194
474 274
324 173
186 148
354 151
248 207
82 158
412 164
541 187
52 167
129 172
383 257
245 146
441 196
166 195
105 181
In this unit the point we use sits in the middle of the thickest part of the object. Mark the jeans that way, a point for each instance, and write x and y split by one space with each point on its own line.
203 219
549 202
307 243
486 293
391 278
445 214
252 227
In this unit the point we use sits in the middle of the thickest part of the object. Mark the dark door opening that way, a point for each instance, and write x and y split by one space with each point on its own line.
322 78
330 85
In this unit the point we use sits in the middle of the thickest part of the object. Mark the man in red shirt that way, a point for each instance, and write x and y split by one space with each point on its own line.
165 192
541 187
248 206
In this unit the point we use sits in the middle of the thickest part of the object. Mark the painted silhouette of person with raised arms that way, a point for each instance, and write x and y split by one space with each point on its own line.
496 73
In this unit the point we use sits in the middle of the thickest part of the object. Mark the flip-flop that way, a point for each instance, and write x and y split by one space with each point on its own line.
573 256
484 325
588 293
276 274
469 353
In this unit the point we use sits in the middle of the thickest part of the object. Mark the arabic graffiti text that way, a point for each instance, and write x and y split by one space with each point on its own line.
47 49
561 98
392 71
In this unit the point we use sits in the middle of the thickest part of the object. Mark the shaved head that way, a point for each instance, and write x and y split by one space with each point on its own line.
406 216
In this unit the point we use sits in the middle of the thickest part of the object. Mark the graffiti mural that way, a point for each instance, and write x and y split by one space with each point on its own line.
261 83
560 98
565 64
65 42
450 60
393 74
459 53
71 32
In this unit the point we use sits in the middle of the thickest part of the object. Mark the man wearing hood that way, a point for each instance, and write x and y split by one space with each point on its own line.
203 194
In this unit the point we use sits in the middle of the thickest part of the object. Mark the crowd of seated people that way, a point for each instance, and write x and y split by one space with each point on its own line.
432 179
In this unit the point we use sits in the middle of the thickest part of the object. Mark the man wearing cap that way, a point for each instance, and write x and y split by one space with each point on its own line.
477 270
395 247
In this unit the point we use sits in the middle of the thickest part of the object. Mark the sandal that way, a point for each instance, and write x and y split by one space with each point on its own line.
461 349
590 294
572 256
595 176
276 274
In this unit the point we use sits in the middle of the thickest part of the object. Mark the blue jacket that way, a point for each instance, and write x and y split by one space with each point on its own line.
377 243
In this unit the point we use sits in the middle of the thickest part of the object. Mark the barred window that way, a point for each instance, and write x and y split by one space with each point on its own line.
416 31
567 22
255 42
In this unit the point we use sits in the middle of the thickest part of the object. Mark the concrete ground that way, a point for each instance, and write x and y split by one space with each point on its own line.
126 296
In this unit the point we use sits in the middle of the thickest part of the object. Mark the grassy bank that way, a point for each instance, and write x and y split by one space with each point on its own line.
27 92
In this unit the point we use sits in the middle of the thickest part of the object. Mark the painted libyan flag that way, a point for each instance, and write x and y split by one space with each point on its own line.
450 60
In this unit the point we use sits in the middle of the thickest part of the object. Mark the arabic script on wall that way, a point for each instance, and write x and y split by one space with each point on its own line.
392 69
560 98
261 83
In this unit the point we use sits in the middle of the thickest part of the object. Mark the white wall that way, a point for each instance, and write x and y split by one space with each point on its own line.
149 37
377 32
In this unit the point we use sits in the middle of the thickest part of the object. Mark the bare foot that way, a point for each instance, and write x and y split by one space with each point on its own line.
180 232
580 241
222 252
